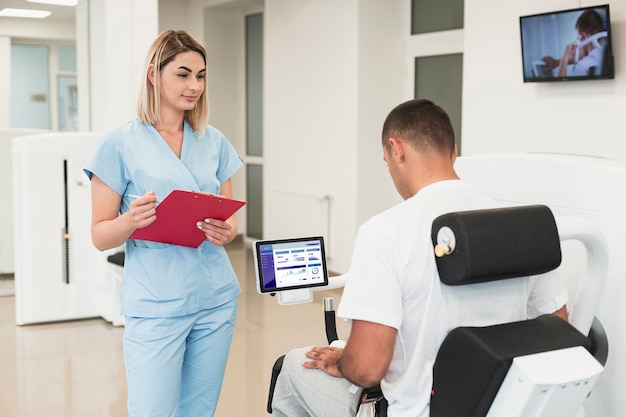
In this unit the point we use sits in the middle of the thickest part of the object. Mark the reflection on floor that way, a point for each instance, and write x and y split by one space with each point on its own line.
6 285
75 369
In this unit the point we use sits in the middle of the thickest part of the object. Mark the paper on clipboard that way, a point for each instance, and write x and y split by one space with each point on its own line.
178 214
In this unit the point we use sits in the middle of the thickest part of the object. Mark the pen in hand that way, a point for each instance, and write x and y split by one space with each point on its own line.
133 196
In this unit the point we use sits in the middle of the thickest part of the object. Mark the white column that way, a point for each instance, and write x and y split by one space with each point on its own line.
5 77
113 45
332 72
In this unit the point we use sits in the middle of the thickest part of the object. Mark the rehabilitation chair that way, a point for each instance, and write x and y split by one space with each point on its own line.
543 367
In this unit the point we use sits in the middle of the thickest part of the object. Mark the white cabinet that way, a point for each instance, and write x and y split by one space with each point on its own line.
59 275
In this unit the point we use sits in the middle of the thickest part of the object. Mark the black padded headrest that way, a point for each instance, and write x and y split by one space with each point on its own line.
496 244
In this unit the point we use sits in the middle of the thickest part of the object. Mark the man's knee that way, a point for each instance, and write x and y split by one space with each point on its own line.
294 359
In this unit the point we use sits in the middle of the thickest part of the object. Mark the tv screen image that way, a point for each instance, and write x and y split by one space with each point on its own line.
567 45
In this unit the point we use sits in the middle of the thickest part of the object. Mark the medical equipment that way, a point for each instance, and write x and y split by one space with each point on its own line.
469 375
6 209
290 268
544 374
587 188
582 192
59 274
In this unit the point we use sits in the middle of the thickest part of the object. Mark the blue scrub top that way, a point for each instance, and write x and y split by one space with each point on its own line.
163 280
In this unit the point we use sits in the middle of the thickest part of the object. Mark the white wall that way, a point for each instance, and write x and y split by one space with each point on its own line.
224 41
172 14
332 72
310 119
501 113
382 84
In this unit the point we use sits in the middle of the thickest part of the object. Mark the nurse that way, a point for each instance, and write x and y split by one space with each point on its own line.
179 303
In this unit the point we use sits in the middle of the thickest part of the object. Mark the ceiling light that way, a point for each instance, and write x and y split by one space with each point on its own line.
56 2
36 14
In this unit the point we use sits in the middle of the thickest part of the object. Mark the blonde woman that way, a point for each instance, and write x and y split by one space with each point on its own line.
179 303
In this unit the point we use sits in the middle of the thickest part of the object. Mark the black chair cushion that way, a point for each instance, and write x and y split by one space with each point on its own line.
117 258
278 365
472 361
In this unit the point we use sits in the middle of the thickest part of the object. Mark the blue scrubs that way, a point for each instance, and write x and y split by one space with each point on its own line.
179 302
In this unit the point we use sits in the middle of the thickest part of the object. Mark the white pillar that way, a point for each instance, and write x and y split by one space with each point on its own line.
332 71
5 77
112 46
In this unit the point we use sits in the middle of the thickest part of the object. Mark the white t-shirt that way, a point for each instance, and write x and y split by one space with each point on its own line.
393 280
593 59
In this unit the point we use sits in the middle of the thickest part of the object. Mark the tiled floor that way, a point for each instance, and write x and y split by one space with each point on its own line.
75 369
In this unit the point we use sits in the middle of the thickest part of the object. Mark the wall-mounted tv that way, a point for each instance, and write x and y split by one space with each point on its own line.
567 45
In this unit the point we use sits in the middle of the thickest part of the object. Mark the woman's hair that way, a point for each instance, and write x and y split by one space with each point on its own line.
422 124
163 50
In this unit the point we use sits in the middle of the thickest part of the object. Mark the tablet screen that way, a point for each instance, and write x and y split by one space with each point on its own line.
289 264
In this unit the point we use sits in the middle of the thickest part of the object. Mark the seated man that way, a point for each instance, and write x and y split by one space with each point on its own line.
585 55
399 310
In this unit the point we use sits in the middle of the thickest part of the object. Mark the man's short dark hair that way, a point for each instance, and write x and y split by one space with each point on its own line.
422 124
590 22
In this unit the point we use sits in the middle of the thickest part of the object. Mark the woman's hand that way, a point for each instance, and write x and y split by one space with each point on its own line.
109 229
218 232
142 210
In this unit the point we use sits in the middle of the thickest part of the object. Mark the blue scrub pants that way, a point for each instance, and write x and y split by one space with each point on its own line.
175 365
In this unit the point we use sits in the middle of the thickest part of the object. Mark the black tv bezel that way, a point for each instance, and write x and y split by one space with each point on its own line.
609 76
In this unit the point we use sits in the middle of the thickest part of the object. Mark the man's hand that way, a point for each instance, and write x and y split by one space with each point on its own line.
551 62
325 359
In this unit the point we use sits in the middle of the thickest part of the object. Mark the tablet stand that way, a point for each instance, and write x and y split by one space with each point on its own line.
304 295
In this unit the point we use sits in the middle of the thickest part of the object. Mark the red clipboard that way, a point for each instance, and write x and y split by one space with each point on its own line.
178 214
